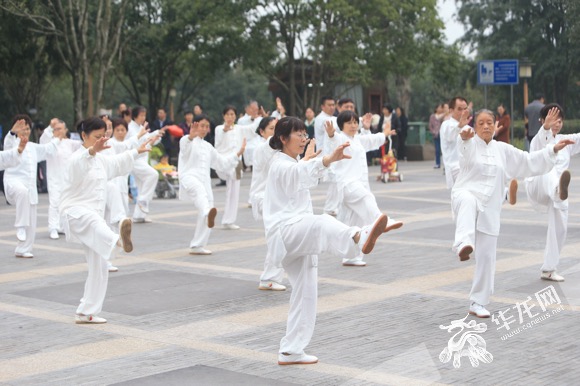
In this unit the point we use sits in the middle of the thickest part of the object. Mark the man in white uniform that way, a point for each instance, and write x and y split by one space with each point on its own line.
327 113
448 134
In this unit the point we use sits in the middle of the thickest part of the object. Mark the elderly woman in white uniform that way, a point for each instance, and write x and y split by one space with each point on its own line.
82 211
358 205
272 276
296 236
55 169
228 139
478 193
549 192
196 158
20 184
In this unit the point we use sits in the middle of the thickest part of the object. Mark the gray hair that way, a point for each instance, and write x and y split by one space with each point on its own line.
483 111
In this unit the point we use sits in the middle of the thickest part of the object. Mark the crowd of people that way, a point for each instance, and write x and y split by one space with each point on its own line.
89 201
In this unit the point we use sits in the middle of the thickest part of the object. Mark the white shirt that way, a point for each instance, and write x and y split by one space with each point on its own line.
85 184
57 162
320 131
196 158
25 172
484 170
263 156
133 131
9 158
355 169
245 120
448 133
545 137
230 141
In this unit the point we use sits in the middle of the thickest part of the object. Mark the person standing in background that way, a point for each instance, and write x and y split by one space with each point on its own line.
435 121
503 123
532 117
309 121
404 121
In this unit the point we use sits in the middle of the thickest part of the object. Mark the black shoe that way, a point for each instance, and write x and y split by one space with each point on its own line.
221 183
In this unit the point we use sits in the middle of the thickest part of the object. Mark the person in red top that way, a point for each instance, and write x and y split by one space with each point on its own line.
502 133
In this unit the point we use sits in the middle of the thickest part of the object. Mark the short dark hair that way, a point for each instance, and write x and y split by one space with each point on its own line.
284 128
26 118
119 122
137 110
539 95
187 113
453 101
544 111
325 98
388 107
125 113
91 124
263 124
342 101
201 117
230 107
345 117
198 105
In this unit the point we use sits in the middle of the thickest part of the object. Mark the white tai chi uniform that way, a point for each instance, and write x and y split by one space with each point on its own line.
20 186
9 158
543 193
358 204
448 134
82 209
263 157
55 170
145 176
296 237
227 143
196 158
477 198
332 203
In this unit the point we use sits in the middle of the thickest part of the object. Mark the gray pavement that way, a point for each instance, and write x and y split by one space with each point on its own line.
178 319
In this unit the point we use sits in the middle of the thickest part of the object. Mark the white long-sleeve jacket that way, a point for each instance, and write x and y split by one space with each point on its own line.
263 157
320 131
545 137
9 158
86 180
196 158
484 170
287 197
230 141
25 172
448 133
350 170
57 162
133 130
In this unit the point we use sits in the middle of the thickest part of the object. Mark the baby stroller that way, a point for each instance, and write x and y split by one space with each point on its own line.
167 185
389 167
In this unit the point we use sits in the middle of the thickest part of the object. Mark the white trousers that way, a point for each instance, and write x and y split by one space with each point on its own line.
26 246
99 242
54 191
304 241
17 194
201 201
484 247
146 179
117 204
359 207
543 190
332 203
232 199
271 271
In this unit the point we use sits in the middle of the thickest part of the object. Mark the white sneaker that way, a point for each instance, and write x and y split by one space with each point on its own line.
271 286
125 234
26 255
143 206
478 310
392 224
551 275
354 263
89 319
296 359
54 234
370 233
231 227
21 234
112 268
199 251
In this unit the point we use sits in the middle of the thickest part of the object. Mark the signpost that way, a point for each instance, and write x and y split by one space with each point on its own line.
499 73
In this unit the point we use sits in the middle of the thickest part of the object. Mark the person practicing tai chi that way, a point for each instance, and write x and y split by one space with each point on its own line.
295 236
20 181
82 209
358 204
196 158
12 157
479 192
549 192
272 276
55 169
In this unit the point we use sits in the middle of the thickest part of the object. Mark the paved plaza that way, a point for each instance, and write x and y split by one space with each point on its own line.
177 319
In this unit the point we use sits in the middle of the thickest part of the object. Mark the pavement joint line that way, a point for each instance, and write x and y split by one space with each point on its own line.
30 364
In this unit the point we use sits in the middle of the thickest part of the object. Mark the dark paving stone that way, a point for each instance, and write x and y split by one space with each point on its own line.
203 375
151 292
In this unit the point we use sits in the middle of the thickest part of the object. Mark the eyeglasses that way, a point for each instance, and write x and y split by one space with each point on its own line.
302 136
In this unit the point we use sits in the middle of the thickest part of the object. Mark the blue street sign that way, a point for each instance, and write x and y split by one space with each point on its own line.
498 72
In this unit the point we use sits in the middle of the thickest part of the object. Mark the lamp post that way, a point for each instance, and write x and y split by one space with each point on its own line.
525 74
172 94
